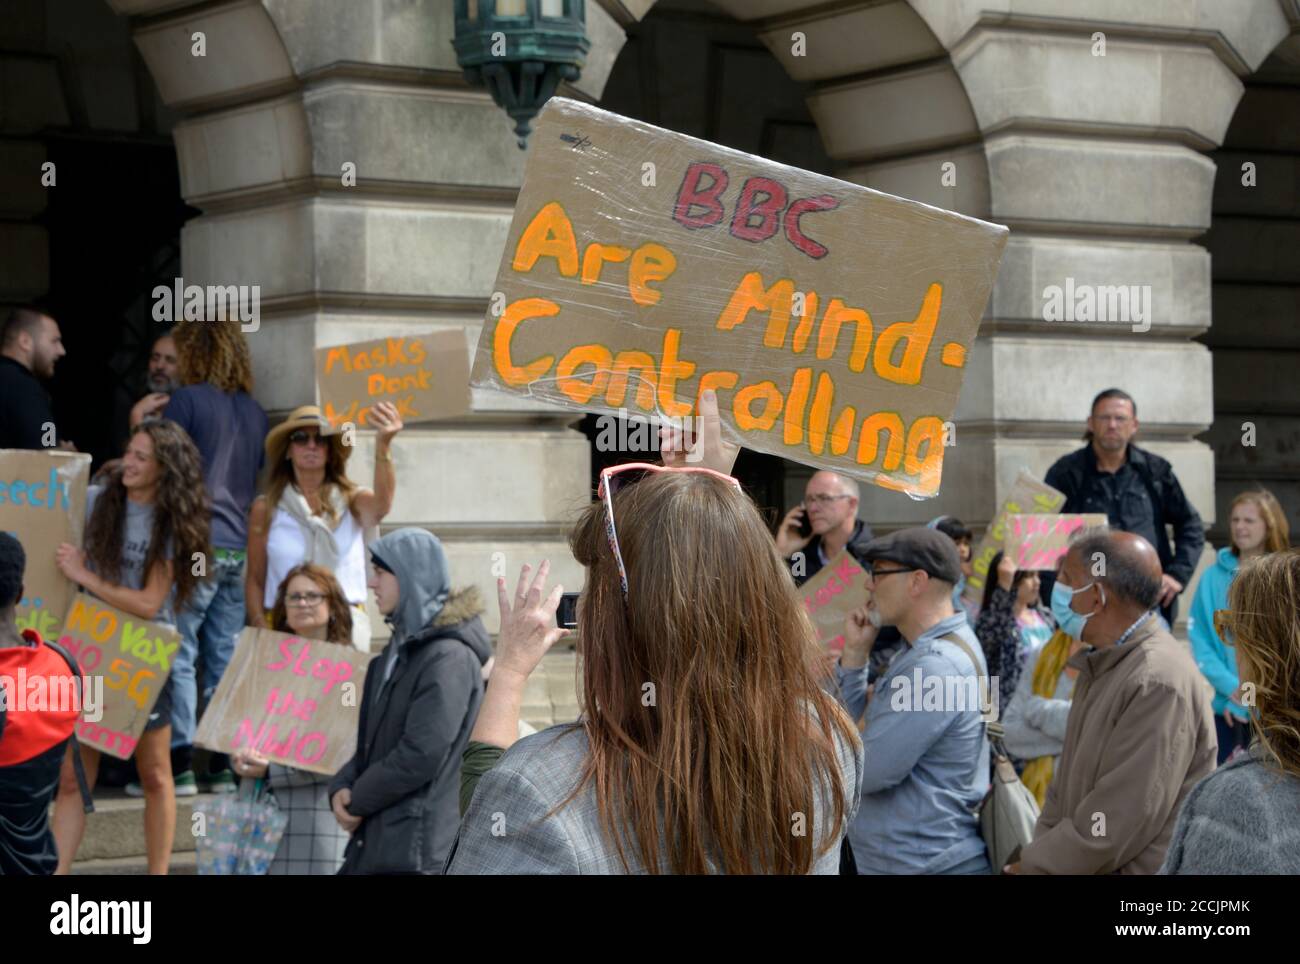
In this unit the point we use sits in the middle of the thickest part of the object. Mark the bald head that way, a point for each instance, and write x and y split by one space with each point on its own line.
1125 563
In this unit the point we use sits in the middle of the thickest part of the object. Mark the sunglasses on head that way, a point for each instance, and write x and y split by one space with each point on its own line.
618 477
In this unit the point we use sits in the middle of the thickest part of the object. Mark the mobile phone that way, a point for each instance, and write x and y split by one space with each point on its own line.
566 616
805 525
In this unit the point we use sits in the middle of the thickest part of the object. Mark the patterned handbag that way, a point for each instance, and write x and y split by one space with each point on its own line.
242 832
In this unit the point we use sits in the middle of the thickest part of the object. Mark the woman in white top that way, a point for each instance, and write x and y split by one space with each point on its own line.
312 512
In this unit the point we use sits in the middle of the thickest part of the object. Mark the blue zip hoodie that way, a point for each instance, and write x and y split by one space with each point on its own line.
1217 662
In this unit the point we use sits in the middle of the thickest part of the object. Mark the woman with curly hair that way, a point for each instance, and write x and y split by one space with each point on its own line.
1241 819
216 408
310 604
143 528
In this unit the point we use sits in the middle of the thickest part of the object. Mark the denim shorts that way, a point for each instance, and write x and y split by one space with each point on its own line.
161 714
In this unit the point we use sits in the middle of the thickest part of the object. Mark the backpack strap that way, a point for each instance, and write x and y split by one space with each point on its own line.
982 678
87 801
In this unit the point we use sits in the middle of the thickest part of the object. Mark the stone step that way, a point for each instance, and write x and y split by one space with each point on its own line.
115 830
184 863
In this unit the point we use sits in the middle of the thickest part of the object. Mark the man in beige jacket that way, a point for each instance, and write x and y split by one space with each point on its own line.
1141 730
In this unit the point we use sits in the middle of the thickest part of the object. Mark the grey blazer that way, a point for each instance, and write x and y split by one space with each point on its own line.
506 830
1241 819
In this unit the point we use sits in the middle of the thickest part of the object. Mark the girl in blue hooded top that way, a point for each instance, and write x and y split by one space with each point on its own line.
1258 526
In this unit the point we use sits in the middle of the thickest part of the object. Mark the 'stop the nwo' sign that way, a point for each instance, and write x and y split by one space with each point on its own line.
644 267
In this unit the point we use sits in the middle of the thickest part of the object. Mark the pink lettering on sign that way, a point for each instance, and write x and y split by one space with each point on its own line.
87 655
304 750
102 736
331 671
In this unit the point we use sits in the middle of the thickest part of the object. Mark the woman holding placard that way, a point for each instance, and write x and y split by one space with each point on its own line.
311 604
1012 625
150 513
312 512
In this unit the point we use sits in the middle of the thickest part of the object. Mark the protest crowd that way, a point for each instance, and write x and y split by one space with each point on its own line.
716 734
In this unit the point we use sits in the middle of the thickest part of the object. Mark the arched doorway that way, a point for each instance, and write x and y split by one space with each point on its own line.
1254 242
94 210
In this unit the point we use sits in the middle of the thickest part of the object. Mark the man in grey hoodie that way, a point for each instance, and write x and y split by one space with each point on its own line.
397 796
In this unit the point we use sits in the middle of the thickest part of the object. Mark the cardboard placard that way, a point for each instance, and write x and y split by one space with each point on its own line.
43 503
1027 495
295 700
839 587
1038 541
132 655
425 376
644 266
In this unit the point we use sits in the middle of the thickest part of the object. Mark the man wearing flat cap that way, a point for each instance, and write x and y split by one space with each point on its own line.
927 759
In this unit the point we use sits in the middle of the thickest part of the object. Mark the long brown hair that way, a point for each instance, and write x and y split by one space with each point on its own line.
339 628
1277 533
215 352
181 511
709 735
1265 622
336 477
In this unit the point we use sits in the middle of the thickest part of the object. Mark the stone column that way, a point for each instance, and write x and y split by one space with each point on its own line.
291 91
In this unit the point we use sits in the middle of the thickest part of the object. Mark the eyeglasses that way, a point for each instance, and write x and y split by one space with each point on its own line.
823 499
305 598
880 573
620 476
301 437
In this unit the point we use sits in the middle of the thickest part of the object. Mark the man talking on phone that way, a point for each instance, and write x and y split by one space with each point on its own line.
814 532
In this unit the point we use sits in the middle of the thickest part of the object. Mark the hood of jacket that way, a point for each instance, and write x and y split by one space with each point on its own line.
1226 560
460 619
417 559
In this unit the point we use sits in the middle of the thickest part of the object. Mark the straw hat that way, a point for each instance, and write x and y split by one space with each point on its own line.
304 416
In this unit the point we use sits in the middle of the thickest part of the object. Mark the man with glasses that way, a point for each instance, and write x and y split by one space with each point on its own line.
926 757
830 505
1140 734
1136 490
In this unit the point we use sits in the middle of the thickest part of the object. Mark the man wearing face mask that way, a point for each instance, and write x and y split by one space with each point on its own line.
1141 730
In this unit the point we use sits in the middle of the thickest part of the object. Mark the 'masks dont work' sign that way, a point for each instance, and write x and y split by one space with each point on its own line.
644 267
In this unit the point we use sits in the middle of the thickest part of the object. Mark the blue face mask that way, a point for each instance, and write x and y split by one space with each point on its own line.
1070 622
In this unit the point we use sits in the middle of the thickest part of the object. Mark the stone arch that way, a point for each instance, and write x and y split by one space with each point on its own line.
1254 244
1097 165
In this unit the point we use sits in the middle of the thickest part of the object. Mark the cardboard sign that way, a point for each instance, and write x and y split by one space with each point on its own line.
839 587
1039 541
1027 495
296 701
645 266
43 503
425 376
134 657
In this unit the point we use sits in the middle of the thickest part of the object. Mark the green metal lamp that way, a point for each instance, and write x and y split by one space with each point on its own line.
520 50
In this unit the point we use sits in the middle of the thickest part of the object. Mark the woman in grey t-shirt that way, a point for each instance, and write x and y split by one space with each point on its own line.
152 511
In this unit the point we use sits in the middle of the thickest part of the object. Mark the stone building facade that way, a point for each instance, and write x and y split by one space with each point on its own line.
1109 135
